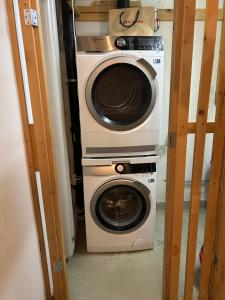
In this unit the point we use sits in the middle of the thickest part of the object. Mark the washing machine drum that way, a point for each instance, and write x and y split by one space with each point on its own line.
121 95
121 206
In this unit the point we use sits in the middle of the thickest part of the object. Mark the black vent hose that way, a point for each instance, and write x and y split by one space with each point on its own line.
69 46
123 3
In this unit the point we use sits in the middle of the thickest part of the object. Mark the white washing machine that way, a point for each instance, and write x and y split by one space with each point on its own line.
120 203
120 89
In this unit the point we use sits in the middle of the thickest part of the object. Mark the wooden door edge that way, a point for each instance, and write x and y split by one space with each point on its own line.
27 134
36 162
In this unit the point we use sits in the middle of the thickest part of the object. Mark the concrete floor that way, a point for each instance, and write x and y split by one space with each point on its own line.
130 275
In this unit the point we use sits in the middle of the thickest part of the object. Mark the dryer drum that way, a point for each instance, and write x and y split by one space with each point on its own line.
121 90
121 95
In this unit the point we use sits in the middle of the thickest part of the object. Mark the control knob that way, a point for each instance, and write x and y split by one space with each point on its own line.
121 42
120 168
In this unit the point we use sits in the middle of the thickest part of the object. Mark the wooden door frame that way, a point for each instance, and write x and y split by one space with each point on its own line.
38 144
217 278
40 153
179 128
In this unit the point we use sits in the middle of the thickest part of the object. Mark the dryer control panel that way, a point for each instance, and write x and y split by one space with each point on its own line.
154 43
112 43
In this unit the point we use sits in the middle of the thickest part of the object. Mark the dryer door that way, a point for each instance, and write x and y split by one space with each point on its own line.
121 92
121 206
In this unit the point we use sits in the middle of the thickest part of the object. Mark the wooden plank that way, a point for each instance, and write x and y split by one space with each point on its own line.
36 74
28 134
100 13
178 127
113 3
209 127
201 129
165 14
39 47
217 280
181 141
174 100
215 172
102 6
201 14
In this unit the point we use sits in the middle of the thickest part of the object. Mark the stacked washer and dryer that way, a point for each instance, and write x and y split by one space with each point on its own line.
120 89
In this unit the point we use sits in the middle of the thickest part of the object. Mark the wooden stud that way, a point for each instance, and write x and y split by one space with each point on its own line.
30 150
54 212
201 15
102 6
217 279
201 129
113 3
100 13
40 149
178 126
215 172
175 77
209 127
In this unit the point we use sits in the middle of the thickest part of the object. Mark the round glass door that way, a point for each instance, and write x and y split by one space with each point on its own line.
121 206
120 96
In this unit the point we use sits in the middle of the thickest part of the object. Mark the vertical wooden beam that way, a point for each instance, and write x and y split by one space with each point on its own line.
217 158
217 279
175 75
201 127
30 152
41 138
38 42
38 39
184 12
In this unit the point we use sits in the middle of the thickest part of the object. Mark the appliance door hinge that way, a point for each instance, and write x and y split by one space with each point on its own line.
76 179
58 266
30 17
73 180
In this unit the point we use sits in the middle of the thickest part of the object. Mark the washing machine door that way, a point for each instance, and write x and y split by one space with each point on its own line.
121 92
121 206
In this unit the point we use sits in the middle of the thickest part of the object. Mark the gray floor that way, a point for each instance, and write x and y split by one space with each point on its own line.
126 276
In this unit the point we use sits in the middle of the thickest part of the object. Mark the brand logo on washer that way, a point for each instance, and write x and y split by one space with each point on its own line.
156 61
150 180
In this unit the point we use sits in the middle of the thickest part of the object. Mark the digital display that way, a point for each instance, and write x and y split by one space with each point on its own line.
154 43
140 168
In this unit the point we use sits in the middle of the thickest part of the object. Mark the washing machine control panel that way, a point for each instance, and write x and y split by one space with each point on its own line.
125 168
154 43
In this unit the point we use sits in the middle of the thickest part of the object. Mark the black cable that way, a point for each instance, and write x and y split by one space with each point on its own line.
135 21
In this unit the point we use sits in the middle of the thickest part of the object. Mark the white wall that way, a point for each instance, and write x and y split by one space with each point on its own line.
20 266
101 28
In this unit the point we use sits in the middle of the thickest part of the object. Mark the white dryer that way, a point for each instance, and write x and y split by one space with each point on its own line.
120 203
120 89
